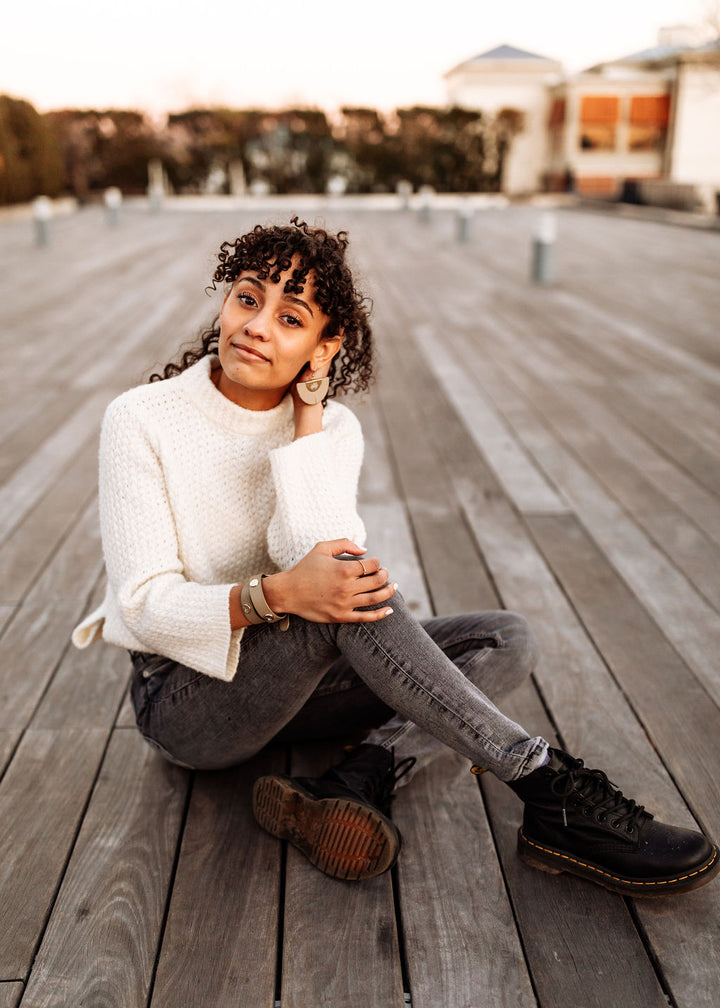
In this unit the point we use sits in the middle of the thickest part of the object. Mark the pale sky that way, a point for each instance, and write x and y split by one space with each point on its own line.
165 55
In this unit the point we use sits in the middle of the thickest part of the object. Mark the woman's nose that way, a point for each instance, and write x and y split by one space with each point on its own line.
257 326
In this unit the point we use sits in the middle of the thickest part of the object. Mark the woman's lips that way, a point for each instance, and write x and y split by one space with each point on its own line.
248 352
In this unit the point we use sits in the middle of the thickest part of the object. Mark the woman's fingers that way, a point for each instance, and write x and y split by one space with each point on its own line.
336 583
369 616
336 547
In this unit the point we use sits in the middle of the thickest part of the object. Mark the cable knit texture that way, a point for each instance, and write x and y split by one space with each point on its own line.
198 494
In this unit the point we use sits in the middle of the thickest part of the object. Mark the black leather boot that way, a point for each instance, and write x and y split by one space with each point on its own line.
338 821
577 821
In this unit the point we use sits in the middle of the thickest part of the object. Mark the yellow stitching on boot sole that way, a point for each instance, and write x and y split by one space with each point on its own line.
619 878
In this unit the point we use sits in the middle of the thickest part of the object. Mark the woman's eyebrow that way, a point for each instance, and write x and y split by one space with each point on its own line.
297 300
286 297
251 280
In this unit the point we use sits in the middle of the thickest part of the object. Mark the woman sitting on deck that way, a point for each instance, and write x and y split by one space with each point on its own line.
238 581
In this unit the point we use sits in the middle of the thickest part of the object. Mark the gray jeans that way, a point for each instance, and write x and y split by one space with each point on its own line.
426 685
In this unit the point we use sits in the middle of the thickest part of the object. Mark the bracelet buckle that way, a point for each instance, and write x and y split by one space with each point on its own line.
255 605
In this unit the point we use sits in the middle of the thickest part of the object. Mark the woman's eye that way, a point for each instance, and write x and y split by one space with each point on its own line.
292 320
246 299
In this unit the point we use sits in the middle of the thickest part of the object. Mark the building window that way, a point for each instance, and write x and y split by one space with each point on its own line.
598 122
649 115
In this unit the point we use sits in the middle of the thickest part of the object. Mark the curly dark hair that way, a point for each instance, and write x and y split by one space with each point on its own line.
269 252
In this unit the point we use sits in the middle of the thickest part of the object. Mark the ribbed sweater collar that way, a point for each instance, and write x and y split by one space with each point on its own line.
198 386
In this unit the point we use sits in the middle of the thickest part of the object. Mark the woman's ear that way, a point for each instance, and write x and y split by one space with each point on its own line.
325 351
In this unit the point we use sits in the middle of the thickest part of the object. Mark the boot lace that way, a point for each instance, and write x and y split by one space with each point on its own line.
599 795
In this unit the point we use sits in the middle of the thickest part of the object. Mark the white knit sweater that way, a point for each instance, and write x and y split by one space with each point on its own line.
196 495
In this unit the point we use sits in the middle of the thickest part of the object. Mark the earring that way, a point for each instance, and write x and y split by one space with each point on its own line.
314 391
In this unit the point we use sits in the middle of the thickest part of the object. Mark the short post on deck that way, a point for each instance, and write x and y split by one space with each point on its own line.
42 214
463 221
113 201
404 190
543 253
426 194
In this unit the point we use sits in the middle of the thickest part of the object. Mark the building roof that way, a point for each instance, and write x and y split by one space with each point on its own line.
502 55
508 52
658 54
651 54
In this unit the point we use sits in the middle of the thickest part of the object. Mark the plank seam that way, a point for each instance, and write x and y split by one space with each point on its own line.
171 885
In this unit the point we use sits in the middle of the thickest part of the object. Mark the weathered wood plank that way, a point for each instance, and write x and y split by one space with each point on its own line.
461 943
662 690
87 689
587 702
30 650
32 422
441 534
30 547
35 477
697 459
386 522
588 705
34 641
333 930
584 429
523 482
8 741
110 907
126 714
687 619
7 611
575 934
699 504
10 994
42 798
73 571
220 943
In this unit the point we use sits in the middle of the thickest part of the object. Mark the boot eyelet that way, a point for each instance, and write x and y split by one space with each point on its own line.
629 830
614 823
586 812
600 818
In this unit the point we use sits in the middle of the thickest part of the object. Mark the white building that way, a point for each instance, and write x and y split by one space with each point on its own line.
649 121
509 78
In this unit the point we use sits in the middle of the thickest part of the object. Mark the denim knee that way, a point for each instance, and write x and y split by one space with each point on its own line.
526 650
507 656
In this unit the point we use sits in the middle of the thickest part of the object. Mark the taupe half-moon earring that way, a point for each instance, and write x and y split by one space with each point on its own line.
314 391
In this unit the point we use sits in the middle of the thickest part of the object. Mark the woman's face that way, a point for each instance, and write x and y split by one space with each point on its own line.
267 337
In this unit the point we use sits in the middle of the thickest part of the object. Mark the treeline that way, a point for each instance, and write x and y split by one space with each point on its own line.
83 152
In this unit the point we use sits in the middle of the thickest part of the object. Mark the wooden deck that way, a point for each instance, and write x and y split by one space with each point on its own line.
554 450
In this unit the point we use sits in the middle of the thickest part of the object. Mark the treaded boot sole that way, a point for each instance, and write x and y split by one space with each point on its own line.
341 837
555 861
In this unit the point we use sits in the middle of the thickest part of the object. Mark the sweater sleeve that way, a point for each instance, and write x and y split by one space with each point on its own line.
169 615
316 481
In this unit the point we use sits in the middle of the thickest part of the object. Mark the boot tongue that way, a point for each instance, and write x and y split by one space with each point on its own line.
365 771
561 762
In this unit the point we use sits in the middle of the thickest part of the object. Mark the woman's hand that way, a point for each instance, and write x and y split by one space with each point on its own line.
308 419
323 589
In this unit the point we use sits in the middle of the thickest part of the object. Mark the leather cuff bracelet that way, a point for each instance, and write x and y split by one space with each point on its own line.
255 606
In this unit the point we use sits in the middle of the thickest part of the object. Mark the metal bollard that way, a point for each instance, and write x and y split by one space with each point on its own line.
42 214
426 193
543 266
155 198
156 184
404 191
464 217
113 201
